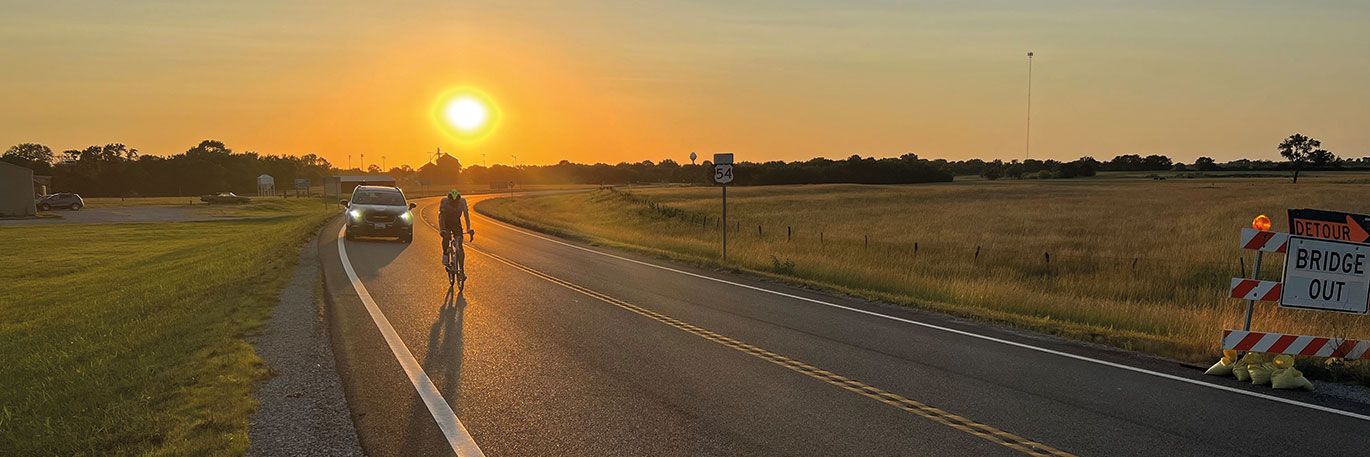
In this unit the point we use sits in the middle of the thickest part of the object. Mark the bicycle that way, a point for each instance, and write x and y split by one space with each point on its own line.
456 263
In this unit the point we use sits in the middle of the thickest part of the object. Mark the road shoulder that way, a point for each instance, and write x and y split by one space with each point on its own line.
302 407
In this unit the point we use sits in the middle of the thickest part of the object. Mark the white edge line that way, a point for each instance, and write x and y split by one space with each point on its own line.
948 329
457 436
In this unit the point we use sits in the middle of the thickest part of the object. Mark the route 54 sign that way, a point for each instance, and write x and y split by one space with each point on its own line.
723 173
723 167
1326 275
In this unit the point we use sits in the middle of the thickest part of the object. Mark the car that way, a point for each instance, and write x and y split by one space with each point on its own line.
225 197
63 200
379 211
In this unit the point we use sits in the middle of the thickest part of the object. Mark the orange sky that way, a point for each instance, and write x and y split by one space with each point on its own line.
616 81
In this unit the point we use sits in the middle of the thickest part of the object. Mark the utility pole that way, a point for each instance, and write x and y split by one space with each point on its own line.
1027 140
482 160
363 168
382 163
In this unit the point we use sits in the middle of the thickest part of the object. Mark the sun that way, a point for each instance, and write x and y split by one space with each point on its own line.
466 114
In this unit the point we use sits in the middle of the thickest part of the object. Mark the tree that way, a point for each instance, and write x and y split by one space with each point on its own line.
34 156
1205 164
373 169
1300 150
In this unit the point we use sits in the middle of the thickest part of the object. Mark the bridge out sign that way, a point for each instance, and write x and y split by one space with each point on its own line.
1326 275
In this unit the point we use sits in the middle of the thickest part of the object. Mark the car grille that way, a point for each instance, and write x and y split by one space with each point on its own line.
380 218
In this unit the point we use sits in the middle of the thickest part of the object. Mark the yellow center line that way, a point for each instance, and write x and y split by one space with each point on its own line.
954 421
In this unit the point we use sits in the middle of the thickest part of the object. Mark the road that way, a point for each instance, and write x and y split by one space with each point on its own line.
557 348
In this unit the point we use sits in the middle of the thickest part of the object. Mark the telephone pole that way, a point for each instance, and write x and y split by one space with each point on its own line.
1027 140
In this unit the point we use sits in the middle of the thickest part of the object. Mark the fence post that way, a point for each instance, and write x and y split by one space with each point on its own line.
977 253
758 230
868 241
1047 257
1134 263
789 233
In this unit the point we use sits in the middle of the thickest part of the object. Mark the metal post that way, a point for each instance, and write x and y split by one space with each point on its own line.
725 222
1251 304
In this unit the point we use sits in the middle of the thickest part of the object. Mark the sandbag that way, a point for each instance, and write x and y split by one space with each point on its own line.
1242 368
1224 365
1239 370
1261 372
1290 378
1222 368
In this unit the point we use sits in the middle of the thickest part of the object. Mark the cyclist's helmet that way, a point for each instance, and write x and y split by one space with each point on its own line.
453 194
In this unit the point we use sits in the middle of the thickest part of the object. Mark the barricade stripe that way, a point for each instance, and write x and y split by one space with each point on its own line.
1282 343
1314 346
1249 341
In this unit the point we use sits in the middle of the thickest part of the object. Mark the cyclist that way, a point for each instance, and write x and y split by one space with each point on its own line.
450 214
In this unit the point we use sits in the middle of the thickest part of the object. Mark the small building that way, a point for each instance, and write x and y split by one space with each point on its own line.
16 191
266 185
334 186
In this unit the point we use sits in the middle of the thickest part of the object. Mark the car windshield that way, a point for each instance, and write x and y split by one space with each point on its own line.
378 197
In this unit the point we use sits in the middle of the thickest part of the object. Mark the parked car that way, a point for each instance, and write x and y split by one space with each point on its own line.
61 200
225 197
379 211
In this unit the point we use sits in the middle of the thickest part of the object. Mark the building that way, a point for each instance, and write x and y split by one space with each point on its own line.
16 190
334 186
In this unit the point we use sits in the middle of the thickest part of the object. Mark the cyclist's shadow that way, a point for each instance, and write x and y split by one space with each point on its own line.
445 343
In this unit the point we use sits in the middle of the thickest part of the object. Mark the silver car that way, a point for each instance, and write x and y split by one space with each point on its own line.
61 200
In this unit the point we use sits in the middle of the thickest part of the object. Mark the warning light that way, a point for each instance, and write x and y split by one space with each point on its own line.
1261 223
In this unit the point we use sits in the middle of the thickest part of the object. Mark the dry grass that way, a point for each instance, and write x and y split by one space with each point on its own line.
1138 264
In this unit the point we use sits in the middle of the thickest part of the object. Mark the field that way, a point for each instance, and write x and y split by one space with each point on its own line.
131 338
1139 264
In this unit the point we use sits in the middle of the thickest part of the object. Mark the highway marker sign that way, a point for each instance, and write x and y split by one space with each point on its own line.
1326 275
723 173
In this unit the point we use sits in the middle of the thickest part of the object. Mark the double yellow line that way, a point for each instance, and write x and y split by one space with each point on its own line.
985 431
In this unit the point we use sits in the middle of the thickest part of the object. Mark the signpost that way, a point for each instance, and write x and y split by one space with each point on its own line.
1326 275
723 174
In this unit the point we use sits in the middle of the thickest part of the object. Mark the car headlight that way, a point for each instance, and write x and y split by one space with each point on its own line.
356 214
405 216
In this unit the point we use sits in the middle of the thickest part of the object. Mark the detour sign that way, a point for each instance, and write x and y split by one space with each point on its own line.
1326 275
1329 225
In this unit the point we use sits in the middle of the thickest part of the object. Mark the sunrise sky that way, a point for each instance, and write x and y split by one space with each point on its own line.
628 81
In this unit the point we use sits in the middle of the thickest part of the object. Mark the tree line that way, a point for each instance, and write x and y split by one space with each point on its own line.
116 170
210 166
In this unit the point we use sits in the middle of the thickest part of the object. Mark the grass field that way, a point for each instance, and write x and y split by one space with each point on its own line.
1135 263
131 338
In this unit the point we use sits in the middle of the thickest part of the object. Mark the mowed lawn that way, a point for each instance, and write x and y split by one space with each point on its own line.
131 338
1136 263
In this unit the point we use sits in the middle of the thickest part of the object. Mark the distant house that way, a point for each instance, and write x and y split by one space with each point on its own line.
16 190
334 186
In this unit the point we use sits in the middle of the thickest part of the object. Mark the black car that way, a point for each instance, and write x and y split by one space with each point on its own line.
62 200
379 211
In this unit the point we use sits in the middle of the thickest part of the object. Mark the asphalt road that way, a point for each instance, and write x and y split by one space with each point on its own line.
556 348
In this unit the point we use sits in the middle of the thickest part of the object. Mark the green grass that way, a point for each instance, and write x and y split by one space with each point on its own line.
1138 264
130 339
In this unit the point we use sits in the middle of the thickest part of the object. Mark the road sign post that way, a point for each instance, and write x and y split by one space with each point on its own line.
723 174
